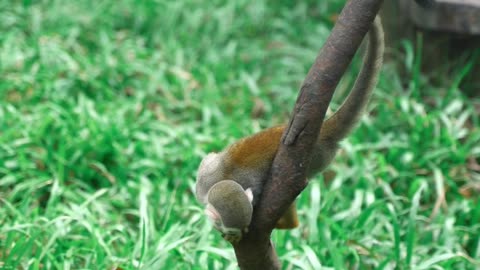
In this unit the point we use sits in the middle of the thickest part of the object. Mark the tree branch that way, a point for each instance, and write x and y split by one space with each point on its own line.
288 180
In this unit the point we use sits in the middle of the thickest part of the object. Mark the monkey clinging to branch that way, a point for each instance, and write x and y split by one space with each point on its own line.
230 182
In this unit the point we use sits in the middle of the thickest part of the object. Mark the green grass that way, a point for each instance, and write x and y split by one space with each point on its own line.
107 107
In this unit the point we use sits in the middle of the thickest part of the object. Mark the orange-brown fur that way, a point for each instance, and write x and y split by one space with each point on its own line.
289 219
257 150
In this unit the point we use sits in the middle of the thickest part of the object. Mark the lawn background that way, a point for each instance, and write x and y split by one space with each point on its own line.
107 107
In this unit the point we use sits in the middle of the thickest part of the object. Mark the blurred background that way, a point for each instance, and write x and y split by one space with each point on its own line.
107 107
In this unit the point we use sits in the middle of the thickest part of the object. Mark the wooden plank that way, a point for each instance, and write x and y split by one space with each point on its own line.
458 16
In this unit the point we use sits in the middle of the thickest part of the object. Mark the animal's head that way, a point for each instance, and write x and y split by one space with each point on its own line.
230 209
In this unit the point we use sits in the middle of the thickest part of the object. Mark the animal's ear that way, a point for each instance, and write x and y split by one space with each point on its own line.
212 213
249 194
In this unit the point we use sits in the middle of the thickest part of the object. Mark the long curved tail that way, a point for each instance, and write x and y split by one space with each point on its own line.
341 123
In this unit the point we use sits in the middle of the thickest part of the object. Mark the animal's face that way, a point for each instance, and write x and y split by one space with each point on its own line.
230 234
230 209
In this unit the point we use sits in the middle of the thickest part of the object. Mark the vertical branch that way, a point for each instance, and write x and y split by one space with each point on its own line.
287 180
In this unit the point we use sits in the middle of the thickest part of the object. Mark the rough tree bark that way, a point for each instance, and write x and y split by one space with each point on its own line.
287 179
